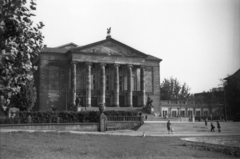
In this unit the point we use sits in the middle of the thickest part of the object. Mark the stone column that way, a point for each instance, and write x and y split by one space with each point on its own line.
88 84
160 110
130 86
102 83
73 83
116 86
142 83
186 110
201 112
170 112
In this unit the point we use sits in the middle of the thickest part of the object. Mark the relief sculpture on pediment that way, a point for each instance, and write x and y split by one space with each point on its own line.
110 48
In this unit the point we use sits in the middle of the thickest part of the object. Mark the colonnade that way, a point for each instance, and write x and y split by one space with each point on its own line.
103 84
188 111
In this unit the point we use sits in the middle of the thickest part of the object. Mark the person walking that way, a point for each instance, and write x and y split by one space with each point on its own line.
206 121
212 127
169 127
218 126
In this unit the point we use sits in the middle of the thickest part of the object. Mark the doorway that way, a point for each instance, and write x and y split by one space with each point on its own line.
135 101
122 101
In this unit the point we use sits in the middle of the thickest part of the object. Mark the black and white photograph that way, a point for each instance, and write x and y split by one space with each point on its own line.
119 79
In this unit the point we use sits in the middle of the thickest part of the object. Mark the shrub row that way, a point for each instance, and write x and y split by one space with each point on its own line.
61 117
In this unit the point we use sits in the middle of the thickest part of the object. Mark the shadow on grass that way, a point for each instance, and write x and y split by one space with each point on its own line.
137 127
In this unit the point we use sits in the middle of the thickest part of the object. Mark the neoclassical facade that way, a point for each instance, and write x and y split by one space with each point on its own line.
106 71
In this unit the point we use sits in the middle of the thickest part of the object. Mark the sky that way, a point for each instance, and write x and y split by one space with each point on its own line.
197 40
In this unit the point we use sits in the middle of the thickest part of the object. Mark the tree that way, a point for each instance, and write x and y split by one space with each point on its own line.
20 43
26 98
166 90
171 89
210 98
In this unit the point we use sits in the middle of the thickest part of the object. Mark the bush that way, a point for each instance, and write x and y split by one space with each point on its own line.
61 117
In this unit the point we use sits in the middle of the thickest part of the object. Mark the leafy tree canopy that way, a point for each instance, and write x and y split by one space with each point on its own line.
20 43
26 98
172 89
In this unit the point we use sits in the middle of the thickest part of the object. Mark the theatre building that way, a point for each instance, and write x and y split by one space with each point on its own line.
106 71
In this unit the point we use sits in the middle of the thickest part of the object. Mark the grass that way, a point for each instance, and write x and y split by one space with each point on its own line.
39 145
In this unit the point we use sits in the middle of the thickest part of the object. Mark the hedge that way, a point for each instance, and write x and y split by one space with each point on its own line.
61 117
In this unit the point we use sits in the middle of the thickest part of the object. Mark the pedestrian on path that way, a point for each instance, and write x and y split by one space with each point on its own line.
169 127
212 127
206 121
218 126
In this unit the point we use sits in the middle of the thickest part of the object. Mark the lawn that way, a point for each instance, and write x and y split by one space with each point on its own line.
53 145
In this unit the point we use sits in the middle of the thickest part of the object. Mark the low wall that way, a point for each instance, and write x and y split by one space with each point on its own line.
184 119
118 125
60 127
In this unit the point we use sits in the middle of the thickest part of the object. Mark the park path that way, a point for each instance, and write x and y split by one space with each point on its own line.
151 128
193 132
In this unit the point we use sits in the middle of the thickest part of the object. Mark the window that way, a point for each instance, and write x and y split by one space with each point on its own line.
120 79
94 102
174 113
107 78
197 113
205 113
182 113
53 77
164 113
107 82
93 82
189 113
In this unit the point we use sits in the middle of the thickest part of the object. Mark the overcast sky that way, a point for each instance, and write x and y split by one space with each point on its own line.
198 40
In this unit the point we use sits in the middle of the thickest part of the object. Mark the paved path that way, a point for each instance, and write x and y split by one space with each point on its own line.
194 132
159 129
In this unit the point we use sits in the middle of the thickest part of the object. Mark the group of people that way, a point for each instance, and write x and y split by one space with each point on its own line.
170 129
218 126
213 126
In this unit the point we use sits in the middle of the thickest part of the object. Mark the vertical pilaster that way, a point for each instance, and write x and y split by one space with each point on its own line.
160 110
73 83
102 83
130 86
143 94
88 84
116 86
170 112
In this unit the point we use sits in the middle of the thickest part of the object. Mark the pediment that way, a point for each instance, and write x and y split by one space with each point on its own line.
109 47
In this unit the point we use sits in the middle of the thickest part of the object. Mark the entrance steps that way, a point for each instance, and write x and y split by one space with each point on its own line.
151 117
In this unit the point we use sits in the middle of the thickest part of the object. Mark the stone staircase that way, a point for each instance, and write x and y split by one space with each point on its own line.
151 117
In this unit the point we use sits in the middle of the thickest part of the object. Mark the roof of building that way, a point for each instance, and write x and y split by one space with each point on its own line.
54 50
68 46
235 75
108 46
